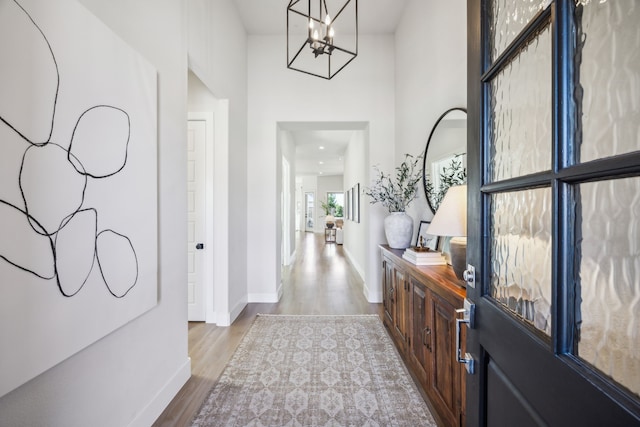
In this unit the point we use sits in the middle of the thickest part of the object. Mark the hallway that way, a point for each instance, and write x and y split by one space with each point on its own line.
321 281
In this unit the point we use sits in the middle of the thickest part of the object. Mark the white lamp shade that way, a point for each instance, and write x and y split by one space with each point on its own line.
330 218
451 217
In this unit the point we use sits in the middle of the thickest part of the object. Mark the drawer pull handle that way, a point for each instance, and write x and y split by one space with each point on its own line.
425 341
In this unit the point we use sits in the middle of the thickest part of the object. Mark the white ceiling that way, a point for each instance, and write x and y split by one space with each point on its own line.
320 152
320 146
269 17
262 17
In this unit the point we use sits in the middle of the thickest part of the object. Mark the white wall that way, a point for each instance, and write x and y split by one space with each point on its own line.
217 42
129 376
362 92
431 77
357 235
288 152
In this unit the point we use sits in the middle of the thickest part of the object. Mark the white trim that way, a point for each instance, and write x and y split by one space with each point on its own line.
209 258
222 319
220 215
226 319
372 297
150 413
270 297
353 262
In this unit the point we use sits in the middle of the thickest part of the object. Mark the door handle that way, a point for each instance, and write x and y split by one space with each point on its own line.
468 315
200 246
426 332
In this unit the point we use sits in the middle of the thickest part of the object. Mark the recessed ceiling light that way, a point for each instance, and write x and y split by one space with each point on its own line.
321 163
320 172
321 147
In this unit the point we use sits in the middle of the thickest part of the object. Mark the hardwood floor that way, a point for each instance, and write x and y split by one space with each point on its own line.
321 281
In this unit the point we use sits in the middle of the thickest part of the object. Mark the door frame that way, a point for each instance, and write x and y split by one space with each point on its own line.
198 131
208 292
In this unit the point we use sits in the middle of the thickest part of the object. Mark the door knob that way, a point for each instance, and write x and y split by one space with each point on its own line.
200 246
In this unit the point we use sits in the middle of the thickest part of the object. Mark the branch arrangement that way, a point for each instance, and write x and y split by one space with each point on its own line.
396 194
454 174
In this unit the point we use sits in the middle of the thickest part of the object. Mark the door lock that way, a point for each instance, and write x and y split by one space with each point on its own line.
200 246
468 317
469 276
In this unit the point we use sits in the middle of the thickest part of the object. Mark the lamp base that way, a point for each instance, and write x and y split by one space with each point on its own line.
458 251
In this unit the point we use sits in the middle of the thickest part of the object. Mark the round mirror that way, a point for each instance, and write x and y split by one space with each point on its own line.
445 158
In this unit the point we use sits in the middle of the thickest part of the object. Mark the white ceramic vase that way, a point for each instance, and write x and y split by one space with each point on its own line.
398 228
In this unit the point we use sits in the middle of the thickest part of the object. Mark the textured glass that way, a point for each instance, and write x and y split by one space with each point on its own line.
520 129
508 18
609 276
521 254
609 74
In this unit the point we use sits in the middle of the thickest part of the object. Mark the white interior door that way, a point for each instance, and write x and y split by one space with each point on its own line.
196 218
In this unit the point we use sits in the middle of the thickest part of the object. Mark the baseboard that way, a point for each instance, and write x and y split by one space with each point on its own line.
280 291
154 408
266 297
353 262
236 310
372 297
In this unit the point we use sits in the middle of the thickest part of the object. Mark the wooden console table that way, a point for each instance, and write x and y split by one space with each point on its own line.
419 311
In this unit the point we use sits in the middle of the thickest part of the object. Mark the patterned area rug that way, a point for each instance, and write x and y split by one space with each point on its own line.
315 371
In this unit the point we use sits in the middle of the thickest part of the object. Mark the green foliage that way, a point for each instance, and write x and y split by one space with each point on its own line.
396 194
330 207
454 174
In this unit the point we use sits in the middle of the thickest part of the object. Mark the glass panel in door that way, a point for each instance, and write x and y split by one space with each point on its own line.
507 19
608 77
607 226
521 255
608 243
520 111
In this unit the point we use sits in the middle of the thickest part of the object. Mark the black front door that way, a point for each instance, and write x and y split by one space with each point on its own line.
554 212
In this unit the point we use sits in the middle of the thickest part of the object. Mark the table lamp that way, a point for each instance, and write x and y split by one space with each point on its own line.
451 220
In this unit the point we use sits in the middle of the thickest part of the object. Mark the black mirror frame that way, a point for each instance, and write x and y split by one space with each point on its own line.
426 151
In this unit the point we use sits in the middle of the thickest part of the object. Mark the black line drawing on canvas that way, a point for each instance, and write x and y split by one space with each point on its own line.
63 229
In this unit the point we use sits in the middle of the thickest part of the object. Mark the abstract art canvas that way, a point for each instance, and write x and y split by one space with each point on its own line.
78 185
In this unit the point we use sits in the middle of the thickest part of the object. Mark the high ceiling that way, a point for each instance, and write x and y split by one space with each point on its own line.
269 17
262 17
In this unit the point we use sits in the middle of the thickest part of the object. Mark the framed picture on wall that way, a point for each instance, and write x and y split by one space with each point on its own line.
356 202
347 203
428 240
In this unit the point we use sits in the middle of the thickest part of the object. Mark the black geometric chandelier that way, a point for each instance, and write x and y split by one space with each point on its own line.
322 36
